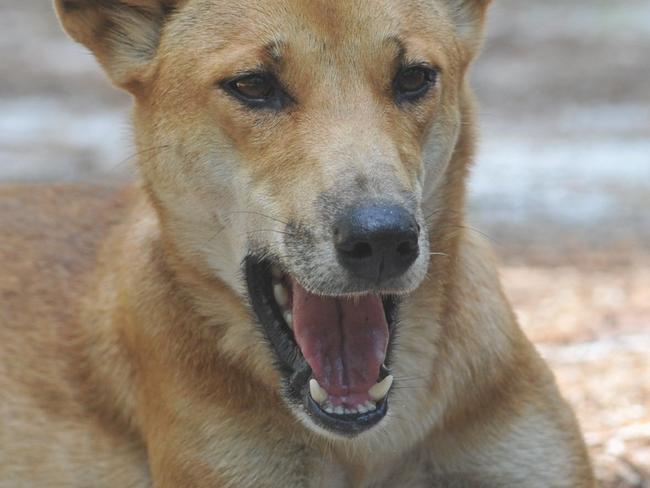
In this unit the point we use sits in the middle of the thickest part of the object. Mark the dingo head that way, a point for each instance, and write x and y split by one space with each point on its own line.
307 142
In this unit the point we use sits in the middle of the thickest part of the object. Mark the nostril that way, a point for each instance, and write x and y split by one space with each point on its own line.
376 241
406 248
360 250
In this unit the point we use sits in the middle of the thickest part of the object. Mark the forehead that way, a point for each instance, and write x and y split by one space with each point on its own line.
340 28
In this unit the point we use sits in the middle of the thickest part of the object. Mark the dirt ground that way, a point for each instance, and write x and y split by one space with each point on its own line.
591 324
561 186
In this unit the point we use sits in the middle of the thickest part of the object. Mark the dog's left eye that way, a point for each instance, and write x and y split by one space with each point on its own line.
413 82
257 90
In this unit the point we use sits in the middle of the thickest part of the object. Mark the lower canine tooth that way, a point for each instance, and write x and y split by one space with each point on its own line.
288 318
380 390
370 406
318 393
281 295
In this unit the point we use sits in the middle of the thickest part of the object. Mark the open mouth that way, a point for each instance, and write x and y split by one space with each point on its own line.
331 350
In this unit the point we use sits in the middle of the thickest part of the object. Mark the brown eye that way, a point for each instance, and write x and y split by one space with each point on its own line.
254 87
413 82
257 90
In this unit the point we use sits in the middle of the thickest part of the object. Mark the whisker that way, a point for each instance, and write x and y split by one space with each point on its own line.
216 234
269 230
402 378
472 229
469 228
438 254
123 166
252 212
438 211
144 151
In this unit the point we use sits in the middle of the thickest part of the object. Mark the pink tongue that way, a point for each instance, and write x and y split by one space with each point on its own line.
344 340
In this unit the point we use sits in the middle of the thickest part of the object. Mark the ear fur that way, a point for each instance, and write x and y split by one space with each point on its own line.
122 34
469 17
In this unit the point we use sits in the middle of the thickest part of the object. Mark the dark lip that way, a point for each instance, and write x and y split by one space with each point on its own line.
290 362
348 425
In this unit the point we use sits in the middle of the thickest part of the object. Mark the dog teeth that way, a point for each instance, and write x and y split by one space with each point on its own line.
380 390
377 393
369 406
318 393
288 318
281 294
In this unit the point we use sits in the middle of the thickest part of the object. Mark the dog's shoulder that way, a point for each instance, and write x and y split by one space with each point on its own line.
48 242
49 239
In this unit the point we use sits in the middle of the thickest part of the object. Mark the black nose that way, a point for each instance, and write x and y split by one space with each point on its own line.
377 241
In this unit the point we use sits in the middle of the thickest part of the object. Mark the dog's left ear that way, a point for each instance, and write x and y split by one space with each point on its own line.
122 34
469 18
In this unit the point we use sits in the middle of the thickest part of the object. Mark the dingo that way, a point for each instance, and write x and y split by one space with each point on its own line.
289 298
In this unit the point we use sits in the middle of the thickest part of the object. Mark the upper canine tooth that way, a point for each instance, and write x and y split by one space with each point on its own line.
318 393
281 294
380 390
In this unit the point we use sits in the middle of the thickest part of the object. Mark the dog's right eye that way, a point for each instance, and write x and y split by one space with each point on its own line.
257 90
255 87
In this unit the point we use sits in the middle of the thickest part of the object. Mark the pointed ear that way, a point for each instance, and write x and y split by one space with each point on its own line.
122 34
469 17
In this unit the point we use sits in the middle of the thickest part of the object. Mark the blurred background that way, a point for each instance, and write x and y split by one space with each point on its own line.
561 186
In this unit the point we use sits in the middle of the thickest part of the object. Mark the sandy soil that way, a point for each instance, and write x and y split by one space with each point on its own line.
561 188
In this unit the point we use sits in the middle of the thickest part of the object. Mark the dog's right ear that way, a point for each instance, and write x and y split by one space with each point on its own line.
469 17
122 34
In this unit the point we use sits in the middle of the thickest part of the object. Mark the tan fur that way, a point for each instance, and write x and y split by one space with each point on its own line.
129 356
